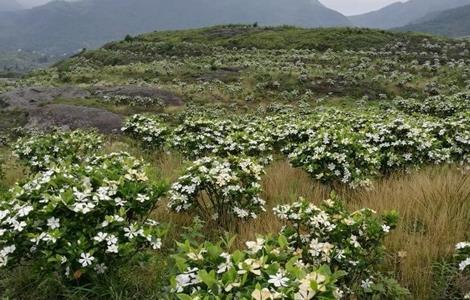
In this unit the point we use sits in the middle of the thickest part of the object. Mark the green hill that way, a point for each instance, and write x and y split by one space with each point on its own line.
454 23
252 58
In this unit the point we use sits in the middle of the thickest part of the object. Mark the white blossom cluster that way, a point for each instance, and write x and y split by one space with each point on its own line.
149 131
40 151
78 218
232 186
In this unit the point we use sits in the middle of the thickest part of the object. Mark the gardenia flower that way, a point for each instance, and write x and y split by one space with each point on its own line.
100 237
3 214
142 198
25 210
86 259
249 265
133 231
278 280
263 294
459 246
464 264
53 223
186 279
255 246
100 268
113 248
386 228
366 284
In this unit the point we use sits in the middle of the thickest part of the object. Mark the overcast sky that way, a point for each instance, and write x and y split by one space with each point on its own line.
347 7
353 7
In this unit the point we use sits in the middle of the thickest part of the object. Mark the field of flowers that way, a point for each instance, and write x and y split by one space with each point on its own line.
313 169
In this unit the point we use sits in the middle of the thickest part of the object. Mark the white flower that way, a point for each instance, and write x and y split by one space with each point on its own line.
263 294
100 237
142 198
113 248
156 244
3 214
111 239
25 210
459 246
100 268
366 284
86 259
18 226
386 228
53 223
278 280
255 246
464 264
133 231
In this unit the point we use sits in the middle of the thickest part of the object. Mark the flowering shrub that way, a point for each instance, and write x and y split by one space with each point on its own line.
330 234
440 106
197 138
200 137
43 150
453 135
337 156
79 219
403 144
250 140
267 269
219 188
147 130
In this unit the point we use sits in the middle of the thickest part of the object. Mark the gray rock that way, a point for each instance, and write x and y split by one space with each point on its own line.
31 97
74 117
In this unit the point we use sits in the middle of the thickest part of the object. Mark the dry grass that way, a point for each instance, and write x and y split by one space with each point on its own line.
434 206
13 171
433 203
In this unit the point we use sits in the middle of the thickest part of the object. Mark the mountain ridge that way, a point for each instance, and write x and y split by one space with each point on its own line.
60 26
453 22
403 13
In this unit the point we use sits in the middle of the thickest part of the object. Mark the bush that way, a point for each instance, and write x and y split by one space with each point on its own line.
147 130
403 144
267 269
352 242
220 189
337 156
440 106
322 253
197 138
80 219
40 151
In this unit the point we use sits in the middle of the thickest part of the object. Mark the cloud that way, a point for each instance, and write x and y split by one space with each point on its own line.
352 7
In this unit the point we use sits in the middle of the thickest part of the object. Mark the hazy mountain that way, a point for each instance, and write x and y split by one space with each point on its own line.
454 22
403 13
9 5
60 26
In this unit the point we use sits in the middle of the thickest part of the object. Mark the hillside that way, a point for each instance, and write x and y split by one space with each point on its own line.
59 26
179 144
9 5
454 23
402 13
